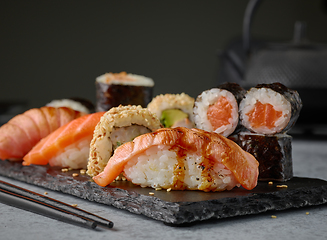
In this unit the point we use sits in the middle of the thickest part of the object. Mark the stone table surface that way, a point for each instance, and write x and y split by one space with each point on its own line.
309 160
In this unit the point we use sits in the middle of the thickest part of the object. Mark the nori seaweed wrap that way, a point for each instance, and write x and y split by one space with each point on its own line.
114 89
238 91
273 152
270 108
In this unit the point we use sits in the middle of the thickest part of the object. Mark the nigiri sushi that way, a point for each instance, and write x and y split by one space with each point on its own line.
19 135
68 146
181 158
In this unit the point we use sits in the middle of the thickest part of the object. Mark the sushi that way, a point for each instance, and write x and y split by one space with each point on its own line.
117 126
216 110
68 146
173 110
20 134
181 158
114 89
273 152
76 103
270 109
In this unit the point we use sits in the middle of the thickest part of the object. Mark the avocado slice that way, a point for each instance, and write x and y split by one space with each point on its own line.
170 116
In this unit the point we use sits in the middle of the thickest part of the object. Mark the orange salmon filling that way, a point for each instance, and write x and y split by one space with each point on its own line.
219 113
263 115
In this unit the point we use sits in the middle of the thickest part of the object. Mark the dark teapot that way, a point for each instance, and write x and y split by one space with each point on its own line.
299 64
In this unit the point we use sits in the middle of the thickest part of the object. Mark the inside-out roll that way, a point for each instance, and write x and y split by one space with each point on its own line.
270 108
216 110
173 110
117 126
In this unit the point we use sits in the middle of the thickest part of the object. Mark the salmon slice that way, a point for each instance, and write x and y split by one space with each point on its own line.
22 132
211 146
66 135
264 115
220 113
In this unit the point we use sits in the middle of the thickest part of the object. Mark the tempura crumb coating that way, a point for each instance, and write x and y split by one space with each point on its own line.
101 147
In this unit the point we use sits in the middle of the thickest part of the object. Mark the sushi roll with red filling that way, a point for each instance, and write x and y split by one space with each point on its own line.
216 109
270 108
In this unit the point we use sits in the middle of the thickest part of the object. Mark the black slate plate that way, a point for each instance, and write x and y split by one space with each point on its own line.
175 207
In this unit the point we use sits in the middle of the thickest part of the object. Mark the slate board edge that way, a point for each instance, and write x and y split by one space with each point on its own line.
167 212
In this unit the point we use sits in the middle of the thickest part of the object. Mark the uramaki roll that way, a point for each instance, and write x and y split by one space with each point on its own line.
114 89
270 108
117 126
173 110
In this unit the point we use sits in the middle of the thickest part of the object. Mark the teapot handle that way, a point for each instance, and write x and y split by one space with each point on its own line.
247 22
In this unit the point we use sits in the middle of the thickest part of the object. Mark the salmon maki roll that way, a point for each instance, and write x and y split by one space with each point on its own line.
181 158
20 134
216 110
68 146
173 110
270 109
117 126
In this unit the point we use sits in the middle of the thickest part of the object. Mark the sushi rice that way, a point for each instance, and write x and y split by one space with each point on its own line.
265 96
202 104
74 156
157 166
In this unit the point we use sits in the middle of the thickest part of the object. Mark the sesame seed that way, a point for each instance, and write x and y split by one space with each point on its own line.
273 216
75 174
270 183
281 186
158 188
169 189
82 171
307 213
123 179
64 169
151 193
45 193
74 205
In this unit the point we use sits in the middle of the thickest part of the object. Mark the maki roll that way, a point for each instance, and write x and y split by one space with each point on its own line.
270 108
216 109
238 91
114 89
273 152
117 126
173 110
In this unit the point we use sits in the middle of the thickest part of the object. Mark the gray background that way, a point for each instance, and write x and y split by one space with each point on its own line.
56 49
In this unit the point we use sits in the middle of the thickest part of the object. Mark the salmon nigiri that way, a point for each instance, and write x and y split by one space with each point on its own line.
68 146
181 158
22 132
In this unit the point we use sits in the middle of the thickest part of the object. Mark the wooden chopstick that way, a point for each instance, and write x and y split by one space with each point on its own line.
37 203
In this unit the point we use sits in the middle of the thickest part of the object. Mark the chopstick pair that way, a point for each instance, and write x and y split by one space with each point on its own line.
31 201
